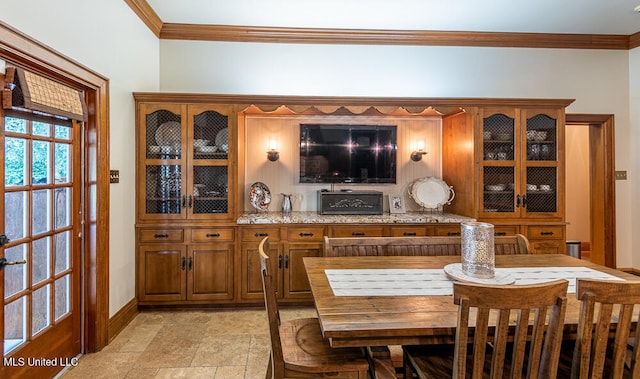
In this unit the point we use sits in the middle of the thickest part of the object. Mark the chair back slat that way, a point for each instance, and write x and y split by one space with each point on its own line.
606 305
502 307
415 246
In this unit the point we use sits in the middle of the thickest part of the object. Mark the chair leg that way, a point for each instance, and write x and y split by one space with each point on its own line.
269 369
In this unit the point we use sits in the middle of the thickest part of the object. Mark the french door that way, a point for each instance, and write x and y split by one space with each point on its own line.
41 319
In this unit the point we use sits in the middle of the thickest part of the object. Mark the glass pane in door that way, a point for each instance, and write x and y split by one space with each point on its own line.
541 138
499 189
210 135
542 190
498 139
211 188
163 188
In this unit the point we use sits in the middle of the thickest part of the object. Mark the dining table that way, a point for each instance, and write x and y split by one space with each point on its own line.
407 300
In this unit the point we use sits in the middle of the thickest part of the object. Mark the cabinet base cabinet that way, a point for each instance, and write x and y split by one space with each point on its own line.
209 272
174 273
296 284
160 274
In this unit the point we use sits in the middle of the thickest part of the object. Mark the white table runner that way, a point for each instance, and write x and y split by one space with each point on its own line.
424 282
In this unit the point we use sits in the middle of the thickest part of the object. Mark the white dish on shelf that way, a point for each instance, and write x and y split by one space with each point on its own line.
169 134
495 187
455 272
431 192
207 149
222 138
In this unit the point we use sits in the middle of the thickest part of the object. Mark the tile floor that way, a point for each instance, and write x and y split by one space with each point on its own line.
218 344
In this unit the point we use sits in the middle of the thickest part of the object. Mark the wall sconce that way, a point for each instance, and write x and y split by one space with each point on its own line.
416 155
273 154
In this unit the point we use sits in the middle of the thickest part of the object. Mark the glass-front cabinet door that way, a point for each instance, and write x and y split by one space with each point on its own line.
161 148
499 162
542 147
519 163
184 152
209 152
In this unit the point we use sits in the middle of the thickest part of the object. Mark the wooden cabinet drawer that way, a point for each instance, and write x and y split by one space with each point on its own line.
161 235
412 231
304 234
505 230
357 231
548 247
448 230
212 234
545 232
257 234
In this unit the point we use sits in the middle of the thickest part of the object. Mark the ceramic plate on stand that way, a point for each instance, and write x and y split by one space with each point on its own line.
454 271
259 196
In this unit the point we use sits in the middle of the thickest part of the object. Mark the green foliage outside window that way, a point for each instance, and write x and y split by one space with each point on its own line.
15 148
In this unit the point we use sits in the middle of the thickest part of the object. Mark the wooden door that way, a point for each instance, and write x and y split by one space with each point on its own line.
41 207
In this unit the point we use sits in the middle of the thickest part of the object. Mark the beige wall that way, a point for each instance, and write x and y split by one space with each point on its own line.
577 183
283 175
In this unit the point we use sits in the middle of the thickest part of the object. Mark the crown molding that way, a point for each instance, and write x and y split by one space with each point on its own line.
229 33
146 14
634 41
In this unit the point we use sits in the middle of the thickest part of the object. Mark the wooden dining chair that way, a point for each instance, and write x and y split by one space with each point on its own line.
486 344
605 306
298 349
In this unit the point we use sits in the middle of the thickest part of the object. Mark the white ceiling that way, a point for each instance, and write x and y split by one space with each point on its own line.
536 16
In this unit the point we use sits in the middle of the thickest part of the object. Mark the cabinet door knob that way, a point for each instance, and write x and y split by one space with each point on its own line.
409 234
184 263
158 235
213 235
501 233
261 235
545 233
306 234
453 233
357 234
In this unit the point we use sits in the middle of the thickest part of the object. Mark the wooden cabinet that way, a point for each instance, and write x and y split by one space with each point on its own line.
186 161
506 164
288 245
250 285
198 270
520 166
185 166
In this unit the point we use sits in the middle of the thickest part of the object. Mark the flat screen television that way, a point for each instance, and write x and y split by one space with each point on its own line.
332 153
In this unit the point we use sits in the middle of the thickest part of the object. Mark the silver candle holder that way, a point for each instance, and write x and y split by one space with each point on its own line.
478 249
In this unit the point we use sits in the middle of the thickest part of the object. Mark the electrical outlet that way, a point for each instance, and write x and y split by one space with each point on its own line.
621 175
114 176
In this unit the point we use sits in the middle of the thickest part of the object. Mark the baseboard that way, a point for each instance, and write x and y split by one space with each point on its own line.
122 318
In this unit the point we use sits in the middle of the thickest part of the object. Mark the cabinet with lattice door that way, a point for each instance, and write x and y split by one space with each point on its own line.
521 170
185 162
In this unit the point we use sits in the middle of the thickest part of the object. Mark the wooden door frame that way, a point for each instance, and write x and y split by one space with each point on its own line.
603 185
30 54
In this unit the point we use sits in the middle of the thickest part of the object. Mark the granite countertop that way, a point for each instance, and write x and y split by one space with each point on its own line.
316 218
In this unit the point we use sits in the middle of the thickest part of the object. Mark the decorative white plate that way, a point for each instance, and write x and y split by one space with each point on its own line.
454 271
222 138
259 196
431 192
169 134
